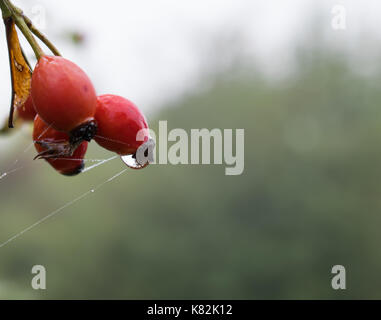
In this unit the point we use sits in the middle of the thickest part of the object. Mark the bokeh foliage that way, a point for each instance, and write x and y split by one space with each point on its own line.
308 199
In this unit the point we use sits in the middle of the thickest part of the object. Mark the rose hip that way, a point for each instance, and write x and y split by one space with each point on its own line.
64 97
45 138
119 122
27 111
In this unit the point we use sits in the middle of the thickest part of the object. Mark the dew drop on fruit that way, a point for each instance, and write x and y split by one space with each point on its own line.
143 155
131 162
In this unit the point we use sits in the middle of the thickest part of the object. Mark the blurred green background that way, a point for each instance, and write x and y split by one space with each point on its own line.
308 198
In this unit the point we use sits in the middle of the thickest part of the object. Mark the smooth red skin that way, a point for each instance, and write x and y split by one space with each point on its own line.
119 122
62 93
27 111
74 164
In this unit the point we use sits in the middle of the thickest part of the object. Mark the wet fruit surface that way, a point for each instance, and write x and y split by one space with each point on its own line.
27 111
119 122
62 93
45 137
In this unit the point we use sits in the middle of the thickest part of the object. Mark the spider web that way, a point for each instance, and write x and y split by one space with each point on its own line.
13 168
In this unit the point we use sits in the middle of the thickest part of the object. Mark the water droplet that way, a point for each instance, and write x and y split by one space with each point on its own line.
131 162
144 154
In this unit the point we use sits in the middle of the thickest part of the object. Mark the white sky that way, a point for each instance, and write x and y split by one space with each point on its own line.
151 50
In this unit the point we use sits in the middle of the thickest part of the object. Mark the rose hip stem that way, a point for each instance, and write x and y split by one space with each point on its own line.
13 15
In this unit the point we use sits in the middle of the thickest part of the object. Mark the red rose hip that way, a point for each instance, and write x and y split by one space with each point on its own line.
119 122
27 111
64 97
46 138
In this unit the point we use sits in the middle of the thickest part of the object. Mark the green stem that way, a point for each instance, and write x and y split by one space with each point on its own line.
41 36
27 28
4 8
19 20
35 31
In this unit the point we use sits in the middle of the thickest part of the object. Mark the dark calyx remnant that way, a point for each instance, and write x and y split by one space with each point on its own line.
55 150
85 132
64 148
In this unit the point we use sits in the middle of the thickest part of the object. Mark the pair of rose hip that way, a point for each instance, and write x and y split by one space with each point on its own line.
67 115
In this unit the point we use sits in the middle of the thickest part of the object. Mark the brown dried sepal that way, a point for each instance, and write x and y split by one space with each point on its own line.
55 149
21 72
